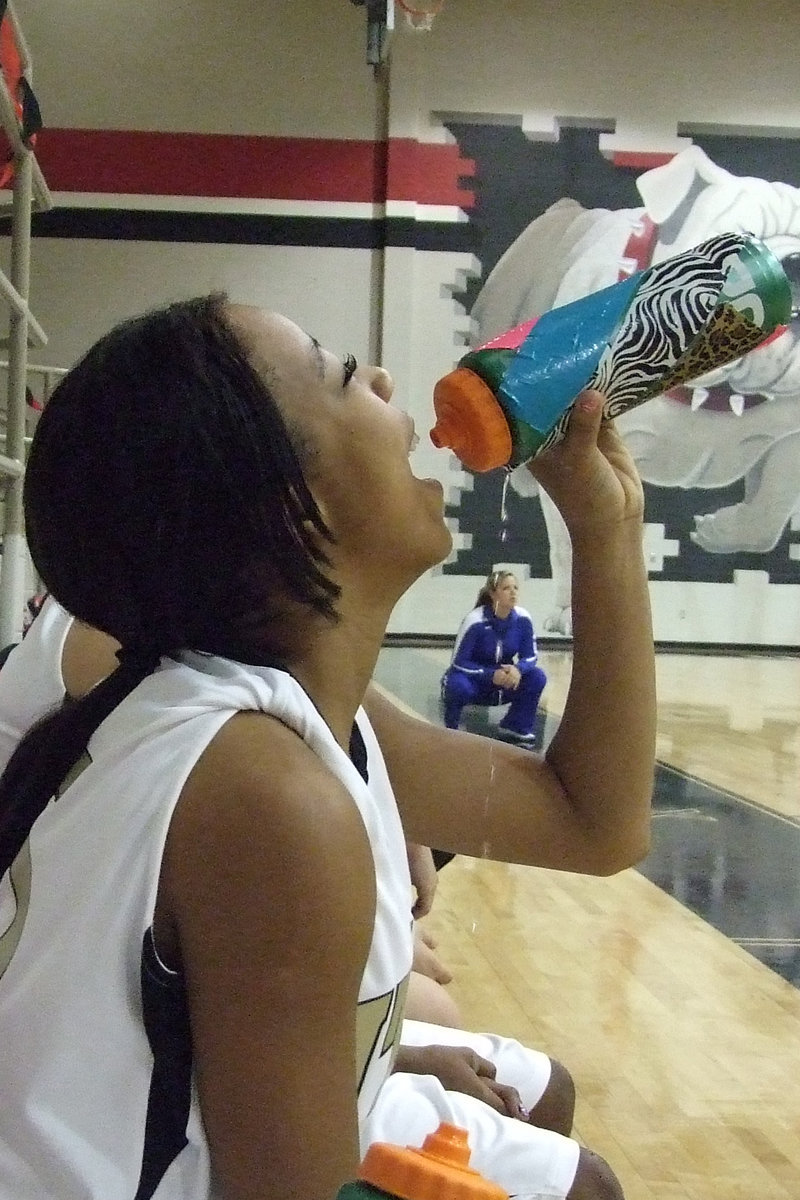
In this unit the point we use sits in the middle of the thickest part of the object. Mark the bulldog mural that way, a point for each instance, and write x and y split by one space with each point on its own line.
741 422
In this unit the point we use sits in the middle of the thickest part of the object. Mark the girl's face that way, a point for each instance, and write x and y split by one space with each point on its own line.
355 449
504 596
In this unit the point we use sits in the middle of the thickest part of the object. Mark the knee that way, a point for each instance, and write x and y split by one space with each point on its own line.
536 679
450 682
594 1179
457 689
556 1108
532 682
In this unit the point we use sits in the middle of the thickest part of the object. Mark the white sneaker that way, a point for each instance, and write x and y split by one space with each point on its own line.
516 735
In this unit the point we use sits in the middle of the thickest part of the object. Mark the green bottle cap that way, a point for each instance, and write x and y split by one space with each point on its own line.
756 286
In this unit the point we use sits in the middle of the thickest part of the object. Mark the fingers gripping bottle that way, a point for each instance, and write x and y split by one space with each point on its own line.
664 326
437 1171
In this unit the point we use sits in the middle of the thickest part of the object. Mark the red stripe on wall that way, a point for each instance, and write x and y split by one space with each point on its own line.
641 159
196 164
428 173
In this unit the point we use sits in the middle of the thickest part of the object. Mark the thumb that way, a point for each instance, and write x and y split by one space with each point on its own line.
510 1099
585 418
583 430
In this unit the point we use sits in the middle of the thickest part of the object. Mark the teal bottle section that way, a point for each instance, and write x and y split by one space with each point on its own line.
561 352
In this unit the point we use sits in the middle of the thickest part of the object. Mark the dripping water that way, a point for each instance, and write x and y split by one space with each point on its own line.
504 507
486 849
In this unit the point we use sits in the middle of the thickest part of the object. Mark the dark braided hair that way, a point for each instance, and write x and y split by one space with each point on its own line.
165 505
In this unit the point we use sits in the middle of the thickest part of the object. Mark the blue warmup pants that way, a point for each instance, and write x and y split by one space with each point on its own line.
459 689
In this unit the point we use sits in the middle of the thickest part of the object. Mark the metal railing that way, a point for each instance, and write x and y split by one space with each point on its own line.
29 193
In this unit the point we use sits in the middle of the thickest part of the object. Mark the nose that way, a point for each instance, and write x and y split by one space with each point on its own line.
382 383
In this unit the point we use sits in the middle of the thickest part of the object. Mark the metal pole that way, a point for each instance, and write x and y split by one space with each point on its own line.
14 569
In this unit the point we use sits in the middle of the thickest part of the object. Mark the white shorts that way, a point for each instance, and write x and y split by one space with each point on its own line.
530 1163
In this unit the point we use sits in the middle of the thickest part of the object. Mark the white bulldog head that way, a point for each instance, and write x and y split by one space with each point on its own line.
690 198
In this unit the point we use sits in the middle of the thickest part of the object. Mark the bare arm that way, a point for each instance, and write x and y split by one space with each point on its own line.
269 883
423 877
586 806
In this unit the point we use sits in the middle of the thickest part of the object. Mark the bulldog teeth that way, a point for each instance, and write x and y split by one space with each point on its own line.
699 397
737 403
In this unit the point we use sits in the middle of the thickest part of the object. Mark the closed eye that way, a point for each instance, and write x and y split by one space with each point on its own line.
349 366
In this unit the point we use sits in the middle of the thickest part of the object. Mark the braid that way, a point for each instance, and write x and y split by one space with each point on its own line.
51 749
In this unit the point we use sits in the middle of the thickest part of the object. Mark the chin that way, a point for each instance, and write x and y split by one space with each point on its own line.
444 544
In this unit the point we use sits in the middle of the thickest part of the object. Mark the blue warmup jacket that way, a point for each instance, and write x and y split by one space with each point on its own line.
484 641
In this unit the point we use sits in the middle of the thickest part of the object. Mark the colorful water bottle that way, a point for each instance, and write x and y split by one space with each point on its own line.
438 1171
664 326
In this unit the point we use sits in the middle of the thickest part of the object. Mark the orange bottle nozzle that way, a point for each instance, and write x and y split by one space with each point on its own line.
440 1169
470 421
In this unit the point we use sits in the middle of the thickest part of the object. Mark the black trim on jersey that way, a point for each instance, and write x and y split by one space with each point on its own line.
166 1021
358 755
252 229
4 653
358 752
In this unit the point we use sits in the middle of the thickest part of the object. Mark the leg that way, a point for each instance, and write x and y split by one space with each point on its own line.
459 689
594 1179
429 1001
556 1109
521 715
757 523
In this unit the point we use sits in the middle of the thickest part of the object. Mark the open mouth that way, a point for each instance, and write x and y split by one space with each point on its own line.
720 398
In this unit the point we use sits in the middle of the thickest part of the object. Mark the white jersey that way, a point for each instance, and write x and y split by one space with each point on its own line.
31 684
527 1162
95 1068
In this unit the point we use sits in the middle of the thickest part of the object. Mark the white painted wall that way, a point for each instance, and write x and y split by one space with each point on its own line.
297 69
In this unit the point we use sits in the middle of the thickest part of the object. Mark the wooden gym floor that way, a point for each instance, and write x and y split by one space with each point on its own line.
671 991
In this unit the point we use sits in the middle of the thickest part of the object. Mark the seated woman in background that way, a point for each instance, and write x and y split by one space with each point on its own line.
494 659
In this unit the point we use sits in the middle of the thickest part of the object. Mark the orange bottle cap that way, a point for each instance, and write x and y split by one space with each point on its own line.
470 421
439 1171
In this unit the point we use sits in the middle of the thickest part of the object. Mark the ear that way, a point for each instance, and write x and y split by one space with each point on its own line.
664 188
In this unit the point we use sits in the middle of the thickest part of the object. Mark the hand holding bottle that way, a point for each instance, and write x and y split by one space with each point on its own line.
590 475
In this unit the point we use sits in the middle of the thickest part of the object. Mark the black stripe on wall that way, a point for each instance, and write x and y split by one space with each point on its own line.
133 225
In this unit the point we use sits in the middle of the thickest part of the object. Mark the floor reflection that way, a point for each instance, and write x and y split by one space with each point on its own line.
734 863
731 861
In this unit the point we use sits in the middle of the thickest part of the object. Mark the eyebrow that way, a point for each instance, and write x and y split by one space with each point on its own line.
316 354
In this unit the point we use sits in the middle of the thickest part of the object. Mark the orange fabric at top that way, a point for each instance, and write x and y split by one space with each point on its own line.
11 65
10 60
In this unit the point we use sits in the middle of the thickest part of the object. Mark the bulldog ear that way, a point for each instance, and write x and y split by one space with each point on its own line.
664 188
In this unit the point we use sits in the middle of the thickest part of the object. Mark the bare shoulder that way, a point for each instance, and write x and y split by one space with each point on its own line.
259 793
257 757
88 656
266 858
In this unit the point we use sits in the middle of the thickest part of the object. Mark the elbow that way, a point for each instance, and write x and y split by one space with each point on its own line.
608 852
620 857
628 850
